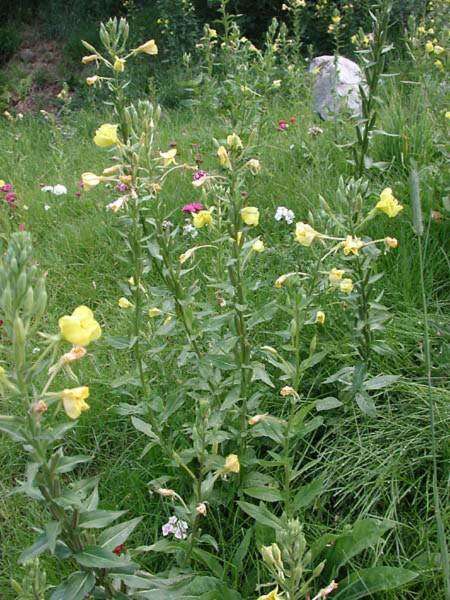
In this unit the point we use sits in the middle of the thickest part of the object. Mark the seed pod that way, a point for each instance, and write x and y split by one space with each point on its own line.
6 300
28 302
21 285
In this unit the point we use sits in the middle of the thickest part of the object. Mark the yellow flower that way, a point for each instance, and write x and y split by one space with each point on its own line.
224 159
273 595
346 286
335 276
148 48
90 180
231 464
92 80
354 39
391 242
281 280
80 328
238 238
439 65
169 157
438 49
421 30
352 245
254 165
250 215
388 203
258 246
112 170
88 59
124 303
234 141
119 65
154 312
276 83
106 135
74 401
447 114
202 218
305 234
336 19
2 182
429 47
212 32
320 317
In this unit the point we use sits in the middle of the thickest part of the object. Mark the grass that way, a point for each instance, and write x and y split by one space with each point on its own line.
379 467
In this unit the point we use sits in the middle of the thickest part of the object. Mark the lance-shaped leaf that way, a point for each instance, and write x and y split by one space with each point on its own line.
68 463
39 546
96 519
117 534
375 579
77 586
95 557
261 514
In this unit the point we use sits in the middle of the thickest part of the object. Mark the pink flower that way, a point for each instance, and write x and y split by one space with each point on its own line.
6 188
121 187
194 207
199 178
282 125
10 198
21 226
293 120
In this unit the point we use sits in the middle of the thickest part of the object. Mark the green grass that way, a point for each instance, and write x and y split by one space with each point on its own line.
379 467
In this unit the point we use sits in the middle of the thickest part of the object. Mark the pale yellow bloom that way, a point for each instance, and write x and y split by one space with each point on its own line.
112 170
305 234
391 242
336 19
273 595
447 114
124 303
119 65
254 165
212 32
232 464
429 47
320 317
352 245
2 182
74 401
154 312
250 215
76 353
438 49
346 286
80 328
258 246
92 80
90 180
224 159
106 135
169 157
234 141
335 276
276 83
388 203
202 218
88 59
439 64
148 48
281 280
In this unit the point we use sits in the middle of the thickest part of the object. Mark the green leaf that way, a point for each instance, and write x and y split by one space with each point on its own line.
96 519
145 428
11 426
68 463
241 552
327 403
77 587
117 534
261 514
52 530
308 493
366 404
120 342
371 580
95 557
209 560
39 546
365 533
381 381
264 493
313 360
260 374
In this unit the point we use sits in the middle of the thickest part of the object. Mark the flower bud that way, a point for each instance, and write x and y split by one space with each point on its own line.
201 509
287 390
166 492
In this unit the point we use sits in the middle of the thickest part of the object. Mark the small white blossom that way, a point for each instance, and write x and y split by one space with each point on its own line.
190 230
176 527
57 190
284 213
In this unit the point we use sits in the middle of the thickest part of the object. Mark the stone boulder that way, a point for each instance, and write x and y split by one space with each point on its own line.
336 86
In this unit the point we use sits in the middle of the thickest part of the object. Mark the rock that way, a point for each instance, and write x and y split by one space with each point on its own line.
336 86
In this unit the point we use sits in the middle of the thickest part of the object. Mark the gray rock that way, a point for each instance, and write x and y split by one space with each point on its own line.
336 86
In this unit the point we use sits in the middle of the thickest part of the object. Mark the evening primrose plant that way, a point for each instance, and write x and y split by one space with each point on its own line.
41 412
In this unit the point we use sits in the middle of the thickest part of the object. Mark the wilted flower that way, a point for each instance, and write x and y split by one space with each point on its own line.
80 328
346 286
199 178
148 48
117 204
39 407
92 80
76 353
169 157
391 242
254 165
201 509
231 464
224 159
90 58
438 49
305 234
388 203
335 276
320 317
74 401
287 390
257 419
234 142
202 218
281 280
119 65
315 131
166 492
106 135
250 215
352 245
326 591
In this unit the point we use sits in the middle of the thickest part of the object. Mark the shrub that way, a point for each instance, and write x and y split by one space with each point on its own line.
10 40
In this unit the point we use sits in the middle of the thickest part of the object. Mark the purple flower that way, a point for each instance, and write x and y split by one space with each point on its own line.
194 207
282 125
121 187
199 178
10 197
6 188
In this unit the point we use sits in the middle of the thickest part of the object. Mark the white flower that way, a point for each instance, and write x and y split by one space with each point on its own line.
59 189
284 213
46 207
47 188
177 527
117 204
190 230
